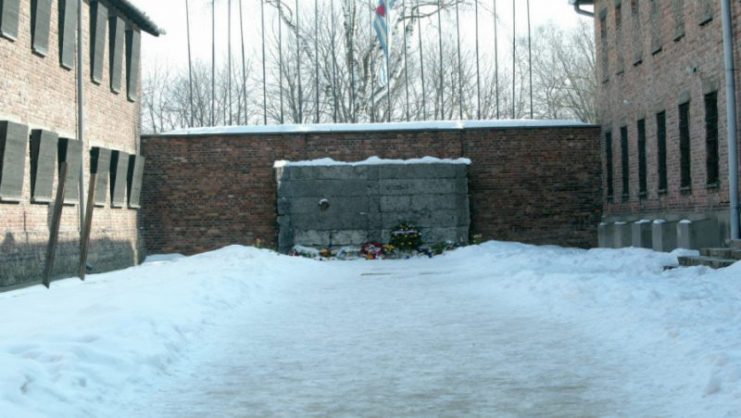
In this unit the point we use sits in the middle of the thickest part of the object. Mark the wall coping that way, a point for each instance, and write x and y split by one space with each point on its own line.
292 129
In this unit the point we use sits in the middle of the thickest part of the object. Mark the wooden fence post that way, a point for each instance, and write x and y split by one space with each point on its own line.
55 221
85 238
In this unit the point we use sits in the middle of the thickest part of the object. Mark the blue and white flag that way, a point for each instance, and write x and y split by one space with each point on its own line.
380 24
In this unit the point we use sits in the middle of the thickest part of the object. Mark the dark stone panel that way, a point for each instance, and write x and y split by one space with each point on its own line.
133 52
9 16
100 164
119 173
44 149
13 145
40 21
98 22
70 151
67 29
134 180
116 41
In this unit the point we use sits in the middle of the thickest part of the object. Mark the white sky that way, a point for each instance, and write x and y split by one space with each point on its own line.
171 48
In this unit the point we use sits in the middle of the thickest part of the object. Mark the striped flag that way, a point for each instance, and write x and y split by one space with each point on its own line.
380 24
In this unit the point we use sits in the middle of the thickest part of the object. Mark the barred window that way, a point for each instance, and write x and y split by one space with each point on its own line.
625 161
711 137
603 45
609 168
642 180
619 44
684 146
661 149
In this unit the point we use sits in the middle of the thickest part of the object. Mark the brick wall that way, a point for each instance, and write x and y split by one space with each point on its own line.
684 68
37 91
535 185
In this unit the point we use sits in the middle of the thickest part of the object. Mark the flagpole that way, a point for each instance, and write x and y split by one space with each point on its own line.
229 59
388 57
441 94
280 58
213 62
406 67
421 61
316 61
353 115
514 56
372 74
530 58
264 78
460 71
244 65
334 66
496 61
298 68
478 73
190 63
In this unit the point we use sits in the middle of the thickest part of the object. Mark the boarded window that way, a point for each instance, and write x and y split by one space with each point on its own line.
100 164
9 14
67 31
661 149
619 44
133 51
678 12
119 172
40 21
609 168
116 41
684 146
134 180
704 11
13 145
711 137
98 28
642 180
70 152
44 148
625 159
657 42
605 56
635 14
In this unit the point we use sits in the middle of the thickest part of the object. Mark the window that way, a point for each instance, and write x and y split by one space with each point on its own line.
608 162
635 14
661 149
704 11
40 20
711 137
678 9
99 18
620 66
116 41
656 41
133 49
67 32
603 45
69 151
642 180
684 146
9 14
625 162
13 144
43 162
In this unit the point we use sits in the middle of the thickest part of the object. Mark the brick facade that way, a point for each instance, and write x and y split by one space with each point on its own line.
535 185
653 56
37 91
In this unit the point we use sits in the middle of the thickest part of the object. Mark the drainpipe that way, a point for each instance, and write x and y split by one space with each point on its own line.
577 7
731 116
80 119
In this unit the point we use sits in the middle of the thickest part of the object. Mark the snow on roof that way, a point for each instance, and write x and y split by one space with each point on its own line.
370 161
380 127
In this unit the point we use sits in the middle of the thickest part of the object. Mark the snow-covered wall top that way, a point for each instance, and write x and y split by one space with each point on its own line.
366 127
323 162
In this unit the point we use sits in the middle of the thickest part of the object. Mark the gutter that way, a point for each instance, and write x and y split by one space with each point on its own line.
577 7
731 118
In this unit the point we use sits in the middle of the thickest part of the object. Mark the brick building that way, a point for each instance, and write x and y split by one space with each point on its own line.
39 130
662 109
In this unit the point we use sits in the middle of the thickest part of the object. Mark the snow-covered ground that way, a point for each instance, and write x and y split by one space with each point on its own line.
499 329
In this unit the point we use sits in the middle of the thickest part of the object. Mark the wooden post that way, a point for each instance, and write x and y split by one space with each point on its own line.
55 221
86 229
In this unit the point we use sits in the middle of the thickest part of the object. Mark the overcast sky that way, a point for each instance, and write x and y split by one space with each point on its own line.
171 48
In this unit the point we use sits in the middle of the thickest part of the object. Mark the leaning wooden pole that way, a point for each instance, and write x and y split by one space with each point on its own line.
56 218
87 229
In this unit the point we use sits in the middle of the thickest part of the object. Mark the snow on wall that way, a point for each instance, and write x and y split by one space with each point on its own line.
326 162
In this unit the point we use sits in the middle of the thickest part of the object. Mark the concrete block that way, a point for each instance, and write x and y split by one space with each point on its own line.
664 235
419 186
435 201
311 238
310 205
340 172
641 233
698 234
622 234
604 236
348 237
397 203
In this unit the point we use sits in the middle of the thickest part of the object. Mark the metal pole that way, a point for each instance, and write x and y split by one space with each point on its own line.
496 61
478 73
731 118
80 116
372 73
334 67
530 58
421 61
316 61
264 77
244 65
280 58
190 63
406 67
353 115
229 59
298 68
460 71
441 93
213 62
388 57
514 55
